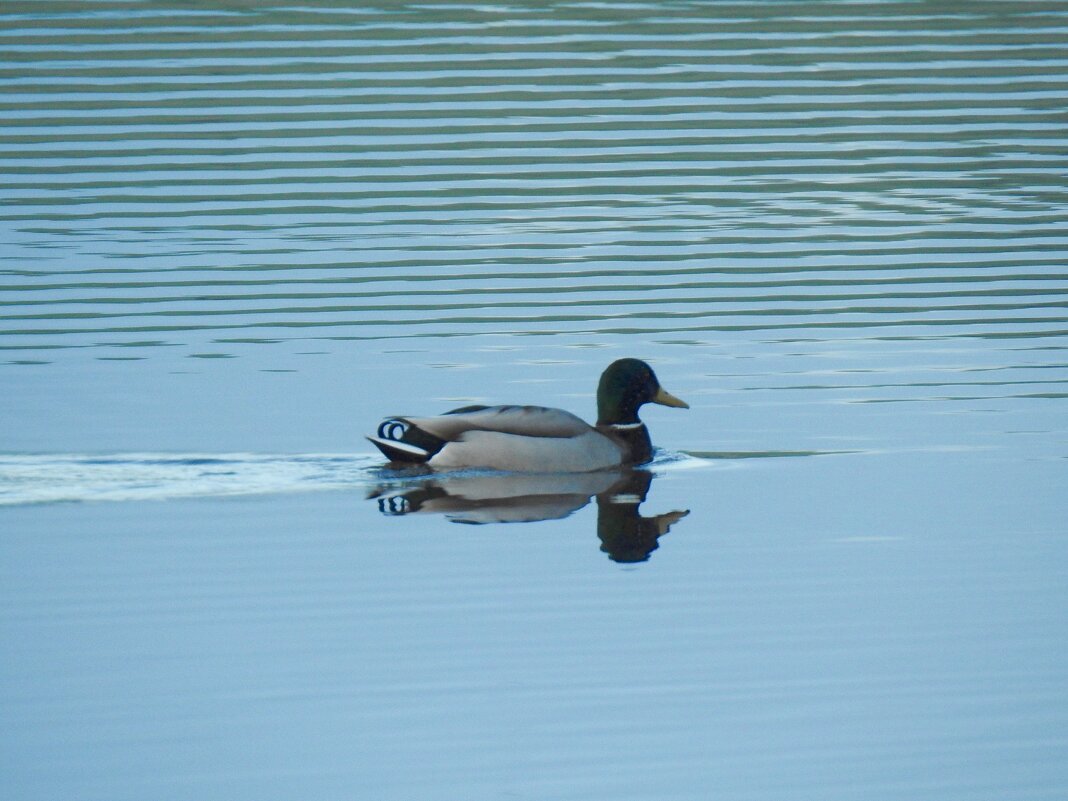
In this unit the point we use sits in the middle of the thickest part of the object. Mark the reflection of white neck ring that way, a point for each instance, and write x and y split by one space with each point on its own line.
625 426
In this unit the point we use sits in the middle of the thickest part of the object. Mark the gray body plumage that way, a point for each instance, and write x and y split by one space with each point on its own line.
517 438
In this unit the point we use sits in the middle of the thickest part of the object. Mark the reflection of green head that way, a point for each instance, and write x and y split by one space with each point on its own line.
625 535
625 385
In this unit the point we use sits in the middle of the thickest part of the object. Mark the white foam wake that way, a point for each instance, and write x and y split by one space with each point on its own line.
26 479
58 478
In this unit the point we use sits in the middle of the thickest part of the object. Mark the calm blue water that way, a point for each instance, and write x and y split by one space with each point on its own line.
233 238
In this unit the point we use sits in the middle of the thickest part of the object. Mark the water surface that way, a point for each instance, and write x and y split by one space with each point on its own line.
234 238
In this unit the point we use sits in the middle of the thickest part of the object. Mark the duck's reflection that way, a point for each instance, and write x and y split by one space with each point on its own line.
625 535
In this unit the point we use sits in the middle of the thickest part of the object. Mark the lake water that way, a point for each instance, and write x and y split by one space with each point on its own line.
235 236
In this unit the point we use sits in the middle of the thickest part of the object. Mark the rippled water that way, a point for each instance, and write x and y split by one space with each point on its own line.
235 236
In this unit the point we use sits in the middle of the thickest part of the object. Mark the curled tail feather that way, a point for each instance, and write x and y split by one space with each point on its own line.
400 441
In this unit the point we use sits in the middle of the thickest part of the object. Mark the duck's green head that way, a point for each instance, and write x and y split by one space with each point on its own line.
625 385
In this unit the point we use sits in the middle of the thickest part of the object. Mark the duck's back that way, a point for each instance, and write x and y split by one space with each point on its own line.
527 421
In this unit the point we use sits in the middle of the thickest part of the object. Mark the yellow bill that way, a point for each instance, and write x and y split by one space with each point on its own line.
665 398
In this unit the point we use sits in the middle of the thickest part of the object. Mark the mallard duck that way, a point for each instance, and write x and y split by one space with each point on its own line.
535 439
